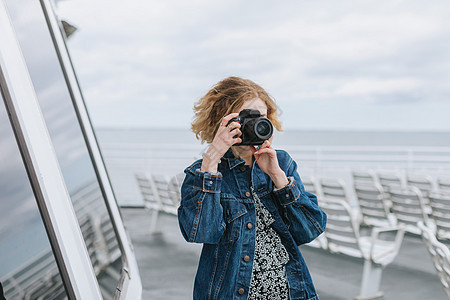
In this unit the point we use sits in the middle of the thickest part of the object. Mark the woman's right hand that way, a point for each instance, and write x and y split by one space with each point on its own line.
225 137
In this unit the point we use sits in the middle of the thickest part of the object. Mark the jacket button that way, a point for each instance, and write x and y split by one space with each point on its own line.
249 225
247 194
247 258
241 291
243 168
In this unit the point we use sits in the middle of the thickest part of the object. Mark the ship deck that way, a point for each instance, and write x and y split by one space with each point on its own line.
167 264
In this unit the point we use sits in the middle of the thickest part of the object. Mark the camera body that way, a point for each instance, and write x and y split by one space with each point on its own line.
255 128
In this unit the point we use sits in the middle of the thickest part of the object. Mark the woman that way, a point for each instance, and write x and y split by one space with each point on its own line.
247 205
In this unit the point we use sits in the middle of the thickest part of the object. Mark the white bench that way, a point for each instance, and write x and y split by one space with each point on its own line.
424 183
159 194
311 185
175 187
364 176
167 203
102 245
36 278
336 189
373 204
333 188
440 212
386 179
440 256
97 229
444 183
377 250
409 207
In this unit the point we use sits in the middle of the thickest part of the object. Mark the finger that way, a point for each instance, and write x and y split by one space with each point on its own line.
237 141
233 125
253 149
236 131
256 154
266 150
266 144
227 118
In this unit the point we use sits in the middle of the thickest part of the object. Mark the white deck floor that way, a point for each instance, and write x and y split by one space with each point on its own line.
167 265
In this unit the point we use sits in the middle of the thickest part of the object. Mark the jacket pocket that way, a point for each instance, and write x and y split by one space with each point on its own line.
233 211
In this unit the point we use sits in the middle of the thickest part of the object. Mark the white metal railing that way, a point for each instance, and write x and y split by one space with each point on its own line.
123 160
408 158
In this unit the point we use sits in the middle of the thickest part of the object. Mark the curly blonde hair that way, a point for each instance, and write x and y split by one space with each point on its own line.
225 97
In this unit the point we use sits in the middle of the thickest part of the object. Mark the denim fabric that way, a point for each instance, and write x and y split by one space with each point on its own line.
217 210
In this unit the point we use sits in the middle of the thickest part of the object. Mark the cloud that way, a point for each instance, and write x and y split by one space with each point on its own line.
383 86
300 51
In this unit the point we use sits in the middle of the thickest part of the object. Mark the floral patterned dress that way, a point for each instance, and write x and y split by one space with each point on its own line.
269 273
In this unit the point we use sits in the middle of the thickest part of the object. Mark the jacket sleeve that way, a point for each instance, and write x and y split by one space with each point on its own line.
200 214
306 220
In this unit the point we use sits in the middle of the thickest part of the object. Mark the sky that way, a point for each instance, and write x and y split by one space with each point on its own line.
330 65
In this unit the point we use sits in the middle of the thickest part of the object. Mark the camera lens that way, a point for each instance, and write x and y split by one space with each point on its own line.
263 129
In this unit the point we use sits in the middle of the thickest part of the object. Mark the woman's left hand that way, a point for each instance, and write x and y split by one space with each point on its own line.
266 158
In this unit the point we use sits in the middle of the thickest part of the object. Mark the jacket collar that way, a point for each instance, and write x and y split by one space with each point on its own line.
258 178
232 160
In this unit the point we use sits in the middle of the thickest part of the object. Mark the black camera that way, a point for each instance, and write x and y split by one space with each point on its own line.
255 129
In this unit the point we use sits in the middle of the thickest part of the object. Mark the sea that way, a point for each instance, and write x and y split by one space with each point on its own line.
319 153
289 136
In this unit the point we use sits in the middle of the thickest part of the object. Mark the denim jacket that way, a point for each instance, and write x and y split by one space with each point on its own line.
217 210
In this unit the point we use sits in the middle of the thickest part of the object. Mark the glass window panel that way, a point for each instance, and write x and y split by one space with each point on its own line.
28 268
67 137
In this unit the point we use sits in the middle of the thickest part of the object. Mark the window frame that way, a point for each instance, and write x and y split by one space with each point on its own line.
44 172
130 278
43 169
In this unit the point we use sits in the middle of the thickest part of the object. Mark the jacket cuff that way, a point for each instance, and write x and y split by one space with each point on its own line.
287 194
208 182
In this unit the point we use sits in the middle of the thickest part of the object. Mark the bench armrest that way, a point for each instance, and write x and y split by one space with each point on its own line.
392 247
